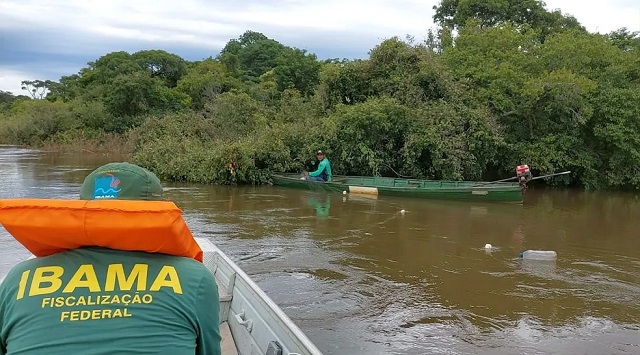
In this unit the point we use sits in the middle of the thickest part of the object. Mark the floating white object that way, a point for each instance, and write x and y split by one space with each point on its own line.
402 211
488 246
344 192
363 190
539 255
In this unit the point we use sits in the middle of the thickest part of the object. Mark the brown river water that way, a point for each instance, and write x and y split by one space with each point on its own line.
358 276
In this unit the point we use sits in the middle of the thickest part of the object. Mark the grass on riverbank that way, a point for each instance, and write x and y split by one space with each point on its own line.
75 142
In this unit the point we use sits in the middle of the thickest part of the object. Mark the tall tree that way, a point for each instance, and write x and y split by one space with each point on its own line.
487 13
407 72
251 55
625 39
166 66
204 80
37 89
298 70
68 88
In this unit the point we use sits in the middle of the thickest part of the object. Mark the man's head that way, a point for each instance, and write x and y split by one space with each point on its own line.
320 154
122 181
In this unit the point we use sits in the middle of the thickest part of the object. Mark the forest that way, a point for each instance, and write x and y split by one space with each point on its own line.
494 85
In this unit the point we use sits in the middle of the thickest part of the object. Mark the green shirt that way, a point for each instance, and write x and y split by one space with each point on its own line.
324 170
103 301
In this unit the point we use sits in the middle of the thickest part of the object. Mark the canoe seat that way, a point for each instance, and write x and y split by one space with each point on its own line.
228 344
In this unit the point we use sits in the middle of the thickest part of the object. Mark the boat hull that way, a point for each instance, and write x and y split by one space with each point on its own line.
252 319
426 189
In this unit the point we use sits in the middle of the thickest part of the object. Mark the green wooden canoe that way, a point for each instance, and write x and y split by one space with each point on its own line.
428 189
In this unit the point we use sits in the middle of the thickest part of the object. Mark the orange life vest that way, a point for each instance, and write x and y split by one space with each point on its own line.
47 227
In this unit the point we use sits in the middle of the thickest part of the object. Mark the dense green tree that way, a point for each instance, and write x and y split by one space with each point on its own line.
169 67
235 114
625 39
449 140
139 94
106 68
496 63
251 55
616 130
586 54
246 39
296 69
6 97
204 80
499 83
37 89
370 135
130 96
345 83
68 88
489 13
408 73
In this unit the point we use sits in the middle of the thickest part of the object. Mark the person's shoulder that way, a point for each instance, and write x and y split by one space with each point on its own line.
198 272
31 263
14 275
189 265
140 256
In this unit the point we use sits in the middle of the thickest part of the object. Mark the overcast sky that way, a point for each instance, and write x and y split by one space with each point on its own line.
45 39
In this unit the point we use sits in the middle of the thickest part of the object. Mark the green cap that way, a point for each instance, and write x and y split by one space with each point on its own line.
122 181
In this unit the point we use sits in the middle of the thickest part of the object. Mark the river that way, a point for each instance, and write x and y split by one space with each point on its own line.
361 277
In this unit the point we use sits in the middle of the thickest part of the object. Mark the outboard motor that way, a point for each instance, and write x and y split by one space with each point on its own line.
524 175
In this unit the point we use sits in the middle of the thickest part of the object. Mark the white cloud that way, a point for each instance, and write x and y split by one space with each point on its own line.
89 28
601 16
213 23
10 80
208 23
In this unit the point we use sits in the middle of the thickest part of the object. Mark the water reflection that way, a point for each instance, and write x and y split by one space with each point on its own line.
366 275
539 268
320 203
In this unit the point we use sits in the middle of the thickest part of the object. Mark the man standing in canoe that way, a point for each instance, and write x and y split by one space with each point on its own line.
323 173
99 300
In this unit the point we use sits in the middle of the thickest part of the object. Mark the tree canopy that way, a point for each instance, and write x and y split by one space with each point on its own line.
498 84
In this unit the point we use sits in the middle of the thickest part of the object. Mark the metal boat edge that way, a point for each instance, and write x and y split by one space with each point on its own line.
254 319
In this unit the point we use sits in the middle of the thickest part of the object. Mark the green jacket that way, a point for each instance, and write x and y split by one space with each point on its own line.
324 170
107 301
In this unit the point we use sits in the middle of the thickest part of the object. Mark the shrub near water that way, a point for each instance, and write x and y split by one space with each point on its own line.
189 148
508 88
234 139
69 126
32 122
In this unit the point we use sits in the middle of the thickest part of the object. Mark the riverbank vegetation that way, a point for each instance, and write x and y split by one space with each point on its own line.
491 88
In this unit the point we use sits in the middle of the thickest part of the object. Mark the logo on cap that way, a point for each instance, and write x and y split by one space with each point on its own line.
106 187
